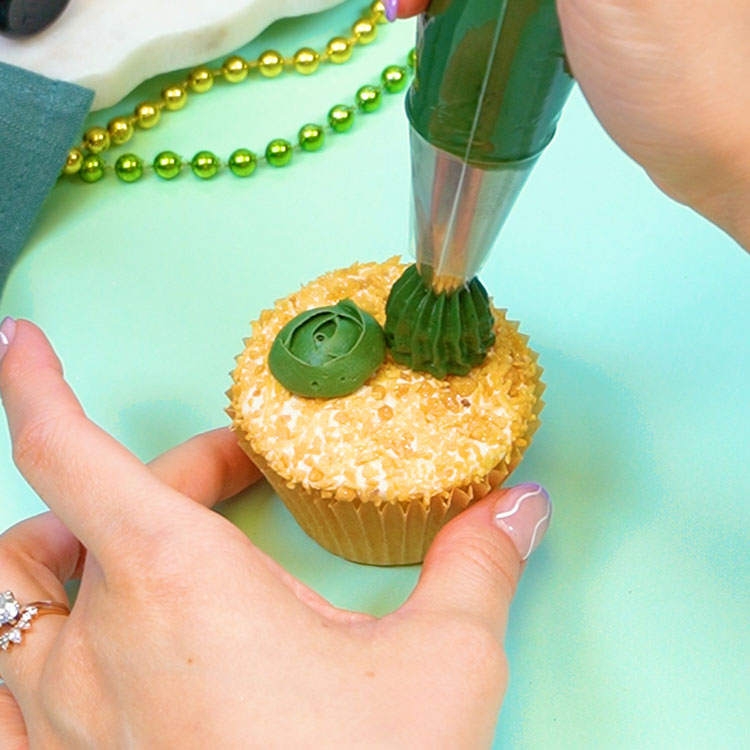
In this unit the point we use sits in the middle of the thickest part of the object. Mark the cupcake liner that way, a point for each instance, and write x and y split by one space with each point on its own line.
388 533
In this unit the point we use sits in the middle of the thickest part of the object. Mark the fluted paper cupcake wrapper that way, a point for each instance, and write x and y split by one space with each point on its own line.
387 533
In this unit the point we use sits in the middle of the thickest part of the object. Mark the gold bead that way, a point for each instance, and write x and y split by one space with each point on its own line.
96 139
270 63
120 130
200 80
306 61
378 11
234 69
147 114
339 50
174 97
73 161
365 31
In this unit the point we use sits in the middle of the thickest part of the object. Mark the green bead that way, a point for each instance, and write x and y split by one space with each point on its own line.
92 169
369 98
205 165
411 58
341 118
242 162
129 168
167 165
394 78
311 137
278 152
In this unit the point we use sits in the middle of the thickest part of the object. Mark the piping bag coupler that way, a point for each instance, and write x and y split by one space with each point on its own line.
491 81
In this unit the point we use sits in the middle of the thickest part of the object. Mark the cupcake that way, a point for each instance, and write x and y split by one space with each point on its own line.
374 474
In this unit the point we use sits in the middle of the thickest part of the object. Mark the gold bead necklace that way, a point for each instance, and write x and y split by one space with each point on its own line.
86 160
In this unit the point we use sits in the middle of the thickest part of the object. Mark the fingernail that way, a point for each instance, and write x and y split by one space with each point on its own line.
523 514
391 9
7 332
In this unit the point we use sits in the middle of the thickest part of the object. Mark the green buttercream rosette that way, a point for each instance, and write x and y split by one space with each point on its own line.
328 351
443 334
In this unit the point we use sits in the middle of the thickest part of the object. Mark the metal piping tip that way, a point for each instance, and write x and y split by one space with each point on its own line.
458 210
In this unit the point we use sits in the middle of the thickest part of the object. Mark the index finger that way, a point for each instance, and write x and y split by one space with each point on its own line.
101 491
408 8
207 468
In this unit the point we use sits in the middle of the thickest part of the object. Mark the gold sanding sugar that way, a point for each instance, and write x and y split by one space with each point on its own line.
404 434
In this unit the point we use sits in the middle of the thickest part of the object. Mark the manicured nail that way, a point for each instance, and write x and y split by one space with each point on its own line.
391 9
523 514
7 332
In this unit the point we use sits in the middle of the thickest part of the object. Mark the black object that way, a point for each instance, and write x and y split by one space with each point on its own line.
27 17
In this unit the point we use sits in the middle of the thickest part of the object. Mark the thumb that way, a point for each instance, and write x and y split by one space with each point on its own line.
475 562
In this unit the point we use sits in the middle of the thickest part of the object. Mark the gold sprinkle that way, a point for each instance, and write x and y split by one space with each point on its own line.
464 386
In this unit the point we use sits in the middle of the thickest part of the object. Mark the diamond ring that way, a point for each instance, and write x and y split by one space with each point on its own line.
14 618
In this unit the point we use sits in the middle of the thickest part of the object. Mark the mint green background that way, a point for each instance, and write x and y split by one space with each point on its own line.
631 626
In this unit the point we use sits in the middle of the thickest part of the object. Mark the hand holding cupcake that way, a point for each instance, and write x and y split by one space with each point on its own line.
375 473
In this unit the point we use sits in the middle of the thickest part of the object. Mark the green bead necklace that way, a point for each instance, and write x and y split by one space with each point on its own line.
90 166
243 162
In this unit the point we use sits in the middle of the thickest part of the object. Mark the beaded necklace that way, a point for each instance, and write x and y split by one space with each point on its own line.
87 163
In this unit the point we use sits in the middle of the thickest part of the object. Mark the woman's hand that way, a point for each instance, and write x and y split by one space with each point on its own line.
668 80
186 635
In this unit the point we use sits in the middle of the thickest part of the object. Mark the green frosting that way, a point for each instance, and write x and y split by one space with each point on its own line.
327 352
443 334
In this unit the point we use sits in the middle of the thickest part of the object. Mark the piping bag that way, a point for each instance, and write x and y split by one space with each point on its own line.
490 84
491 81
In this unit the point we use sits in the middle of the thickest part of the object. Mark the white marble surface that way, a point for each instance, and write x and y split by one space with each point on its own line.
111 47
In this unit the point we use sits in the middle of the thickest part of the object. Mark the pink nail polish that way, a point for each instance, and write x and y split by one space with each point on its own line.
391 9
523 514
7 332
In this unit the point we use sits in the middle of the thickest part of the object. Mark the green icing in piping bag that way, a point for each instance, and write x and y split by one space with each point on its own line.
490 84
491 78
